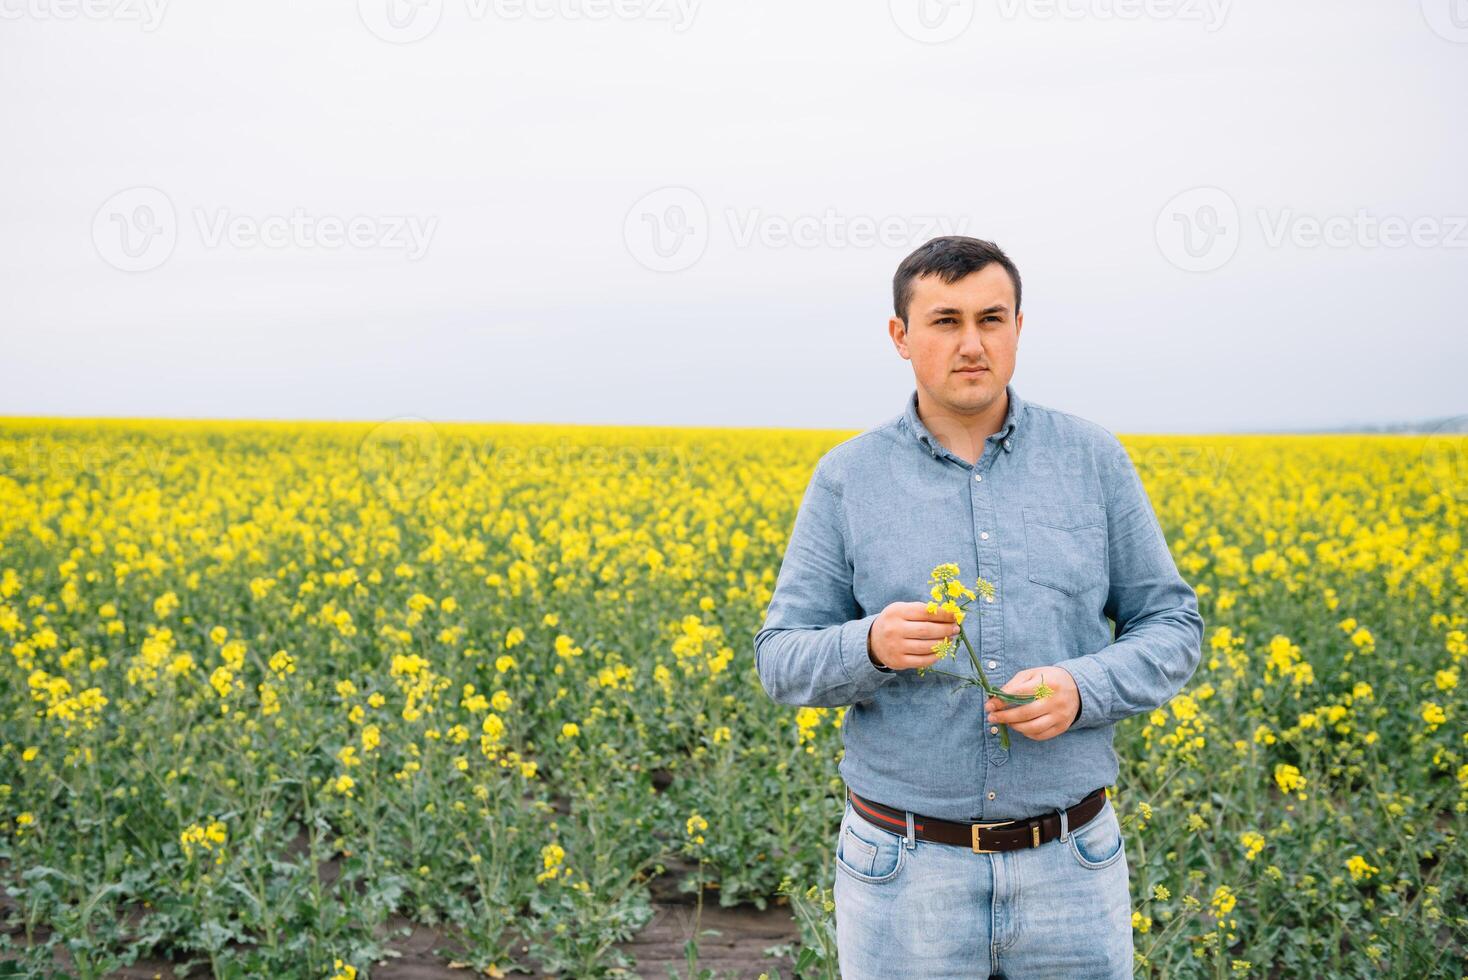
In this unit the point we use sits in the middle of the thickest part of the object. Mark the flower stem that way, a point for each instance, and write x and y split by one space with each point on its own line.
950 673
984 683
989 688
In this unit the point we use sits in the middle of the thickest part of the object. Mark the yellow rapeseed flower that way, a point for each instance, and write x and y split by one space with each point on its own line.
1359 868
1288 778
1223 900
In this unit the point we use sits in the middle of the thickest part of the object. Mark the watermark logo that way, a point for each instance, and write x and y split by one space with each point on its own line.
401 459
932 21
135 230
1448 19
147 14
1199 229
933 933
400 21
667 230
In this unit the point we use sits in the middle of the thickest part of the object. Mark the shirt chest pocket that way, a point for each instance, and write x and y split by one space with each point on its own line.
1065 548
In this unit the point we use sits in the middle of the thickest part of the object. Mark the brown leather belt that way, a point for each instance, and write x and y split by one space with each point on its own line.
984 838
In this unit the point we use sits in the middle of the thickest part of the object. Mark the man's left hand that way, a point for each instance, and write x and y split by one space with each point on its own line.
1042 719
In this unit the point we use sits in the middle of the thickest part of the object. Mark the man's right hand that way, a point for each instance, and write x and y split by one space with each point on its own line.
903 635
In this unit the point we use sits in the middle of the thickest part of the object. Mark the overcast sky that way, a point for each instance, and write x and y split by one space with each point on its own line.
1228 215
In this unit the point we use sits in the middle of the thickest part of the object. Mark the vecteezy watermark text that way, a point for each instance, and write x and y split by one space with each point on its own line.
1210 13
832 229
115 459
406 21
1362 230
148 14
409 232
136 230
669 229
936 21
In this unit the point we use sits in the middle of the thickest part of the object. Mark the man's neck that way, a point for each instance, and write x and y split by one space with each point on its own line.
963 434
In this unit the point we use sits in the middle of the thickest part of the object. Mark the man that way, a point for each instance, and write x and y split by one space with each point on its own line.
957 857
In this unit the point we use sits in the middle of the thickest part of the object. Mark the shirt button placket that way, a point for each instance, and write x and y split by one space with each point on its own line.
990 616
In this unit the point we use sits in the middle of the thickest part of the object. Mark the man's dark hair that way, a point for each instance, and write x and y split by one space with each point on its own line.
950 257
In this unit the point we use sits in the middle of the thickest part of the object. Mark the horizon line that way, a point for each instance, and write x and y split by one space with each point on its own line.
1412 427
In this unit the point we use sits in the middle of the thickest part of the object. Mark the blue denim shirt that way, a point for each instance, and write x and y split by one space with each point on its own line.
1054 514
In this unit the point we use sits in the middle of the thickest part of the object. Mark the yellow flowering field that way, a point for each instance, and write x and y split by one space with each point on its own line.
502 677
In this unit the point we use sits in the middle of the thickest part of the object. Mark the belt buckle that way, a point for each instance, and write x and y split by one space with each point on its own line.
975 830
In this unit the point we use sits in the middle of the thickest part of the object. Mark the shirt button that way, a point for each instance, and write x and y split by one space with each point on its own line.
979 477
993 729
993 664
1006 443
984 535
991 794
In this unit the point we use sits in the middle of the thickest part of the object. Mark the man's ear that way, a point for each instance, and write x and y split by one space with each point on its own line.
1019 324
897 330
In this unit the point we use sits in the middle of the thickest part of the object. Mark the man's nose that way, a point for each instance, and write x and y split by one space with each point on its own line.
971 341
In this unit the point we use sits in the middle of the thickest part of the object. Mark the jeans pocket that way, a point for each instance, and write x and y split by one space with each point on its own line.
1066 550
868 853
1098 844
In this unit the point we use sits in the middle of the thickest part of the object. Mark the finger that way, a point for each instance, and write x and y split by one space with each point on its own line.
918 648
905 659
1014 713
918 612
928 631
1024 682
1038 730
1056 729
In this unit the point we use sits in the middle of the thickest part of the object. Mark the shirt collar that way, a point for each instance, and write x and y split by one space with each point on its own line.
1005 436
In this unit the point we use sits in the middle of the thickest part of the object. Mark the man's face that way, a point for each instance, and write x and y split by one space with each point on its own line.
966 324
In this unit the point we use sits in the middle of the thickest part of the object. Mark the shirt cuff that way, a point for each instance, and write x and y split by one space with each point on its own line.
864 675
1090 680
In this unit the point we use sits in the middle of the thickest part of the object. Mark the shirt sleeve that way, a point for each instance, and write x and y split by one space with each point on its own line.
812 649
1159 631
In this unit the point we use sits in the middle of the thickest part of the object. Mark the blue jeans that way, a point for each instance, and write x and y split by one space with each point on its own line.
907 907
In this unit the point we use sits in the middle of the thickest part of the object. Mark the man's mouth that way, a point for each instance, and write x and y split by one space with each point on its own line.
973 370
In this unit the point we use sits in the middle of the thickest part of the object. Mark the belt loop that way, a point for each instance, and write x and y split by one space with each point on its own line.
911 833
1064 824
